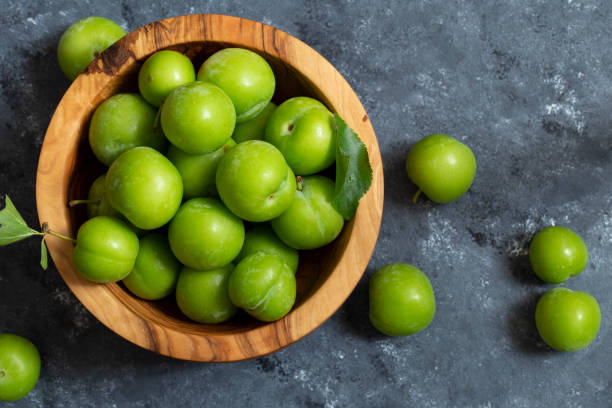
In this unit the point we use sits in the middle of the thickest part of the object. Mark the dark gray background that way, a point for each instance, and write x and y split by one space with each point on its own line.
526 84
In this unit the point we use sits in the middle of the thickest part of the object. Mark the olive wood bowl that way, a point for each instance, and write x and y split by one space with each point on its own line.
67 167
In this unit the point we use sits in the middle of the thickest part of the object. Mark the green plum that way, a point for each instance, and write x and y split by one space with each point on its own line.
263 239
567 320
303 130
442 167
198 117
106 249
85 40
19 367
120 123
204 234
311 221
254 129
145 187
244 76
97 203
198 171
402 300
556 253
255 182
162 73
203 296
264 286
156 270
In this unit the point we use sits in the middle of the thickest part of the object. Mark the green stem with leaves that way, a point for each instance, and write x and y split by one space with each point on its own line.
13 228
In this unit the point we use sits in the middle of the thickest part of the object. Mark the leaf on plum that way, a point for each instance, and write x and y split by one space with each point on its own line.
13 228
353 170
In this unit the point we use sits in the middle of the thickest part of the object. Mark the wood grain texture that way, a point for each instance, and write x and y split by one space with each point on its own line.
67 167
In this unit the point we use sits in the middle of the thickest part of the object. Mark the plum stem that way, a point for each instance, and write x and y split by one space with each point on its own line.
46 230
416 196
72 203
300 183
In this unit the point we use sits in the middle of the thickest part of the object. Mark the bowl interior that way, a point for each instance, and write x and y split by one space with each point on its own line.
314 267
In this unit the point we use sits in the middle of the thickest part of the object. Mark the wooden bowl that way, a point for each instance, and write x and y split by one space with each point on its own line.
67 168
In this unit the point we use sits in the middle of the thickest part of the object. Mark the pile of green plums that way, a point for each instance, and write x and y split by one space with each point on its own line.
402 299
191 158
567 320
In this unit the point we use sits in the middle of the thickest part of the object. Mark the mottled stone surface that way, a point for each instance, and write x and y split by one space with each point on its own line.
526 83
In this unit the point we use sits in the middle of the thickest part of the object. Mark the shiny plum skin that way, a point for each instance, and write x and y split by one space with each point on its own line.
198 117
263 239
155 270
303 130
567 320
203 296
145 187
162 73
264 286
442 167
204 234
198 171
255 128
106 249
557 253
311 221
402 300
19 367
255 182
120 123
245 76
85 40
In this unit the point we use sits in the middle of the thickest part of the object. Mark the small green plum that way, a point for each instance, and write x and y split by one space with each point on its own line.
255 182
198 117
264 286
203 296
567 320
162 73
303 130
311 221
19 367
556 253
204 234
106 249
155 271
85 40
244 76
254 129
263 239
402 300
97 203
145 187
120 123
198 171
442 167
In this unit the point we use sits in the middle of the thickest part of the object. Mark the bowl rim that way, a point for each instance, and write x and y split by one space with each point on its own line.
54 174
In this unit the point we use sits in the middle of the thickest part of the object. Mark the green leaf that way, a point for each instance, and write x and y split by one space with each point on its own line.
13 228
44 259
353 170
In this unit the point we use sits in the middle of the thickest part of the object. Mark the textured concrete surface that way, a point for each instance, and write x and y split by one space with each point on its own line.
527 84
